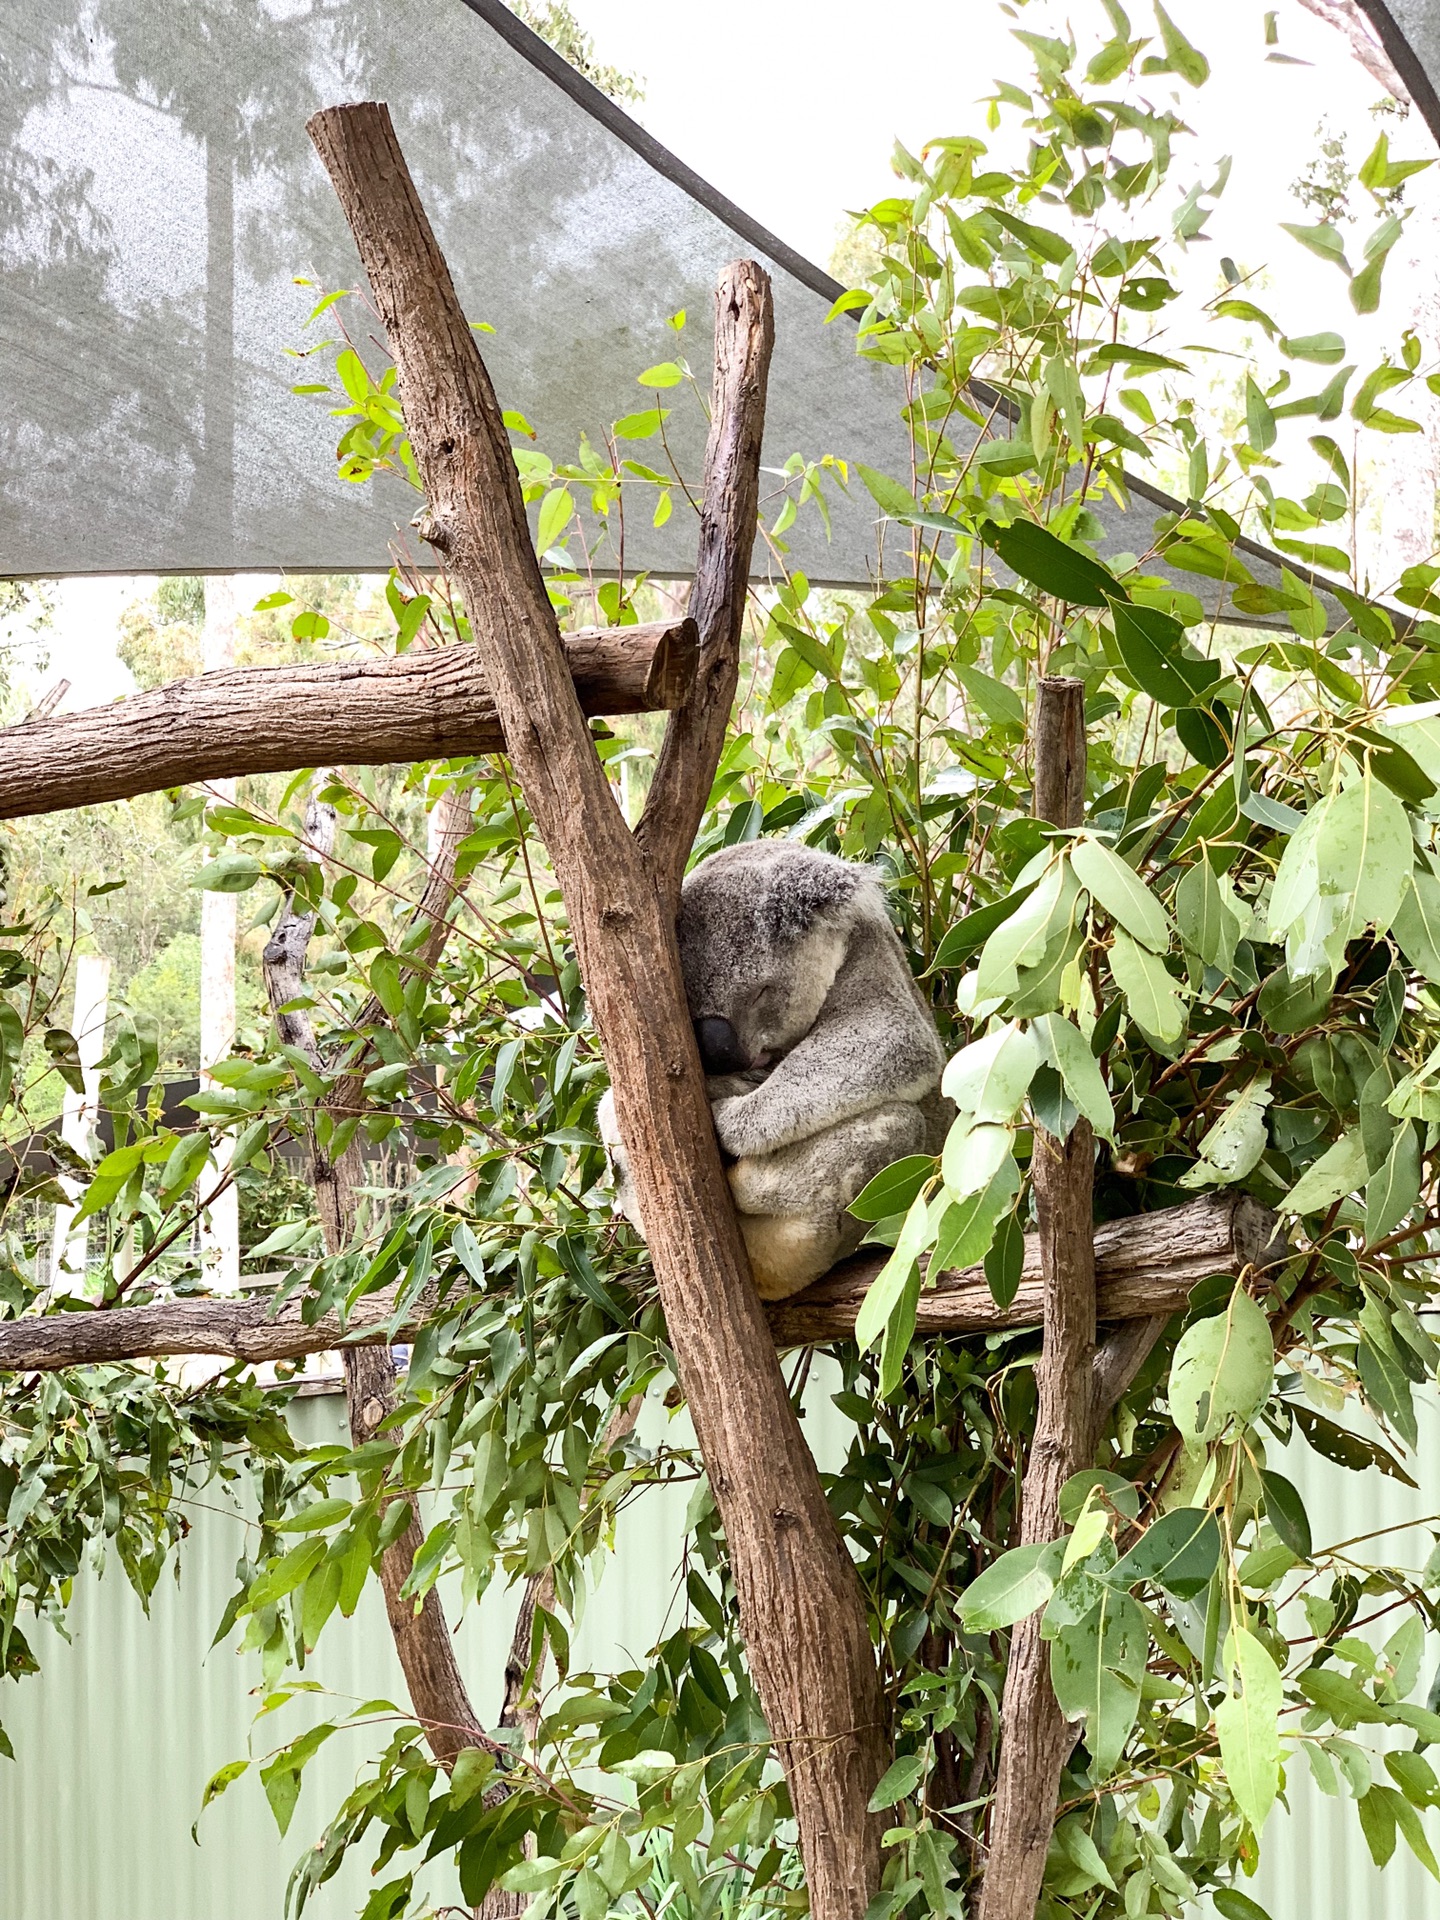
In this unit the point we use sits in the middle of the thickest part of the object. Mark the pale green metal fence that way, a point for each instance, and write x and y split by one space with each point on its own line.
119 1733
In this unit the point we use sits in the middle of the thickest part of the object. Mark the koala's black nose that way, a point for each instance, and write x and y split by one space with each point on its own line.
719 1045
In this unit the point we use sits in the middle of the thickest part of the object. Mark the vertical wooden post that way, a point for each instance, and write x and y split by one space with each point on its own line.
1036 1738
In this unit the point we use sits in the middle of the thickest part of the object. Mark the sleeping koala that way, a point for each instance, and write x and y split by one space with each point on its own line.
822 1060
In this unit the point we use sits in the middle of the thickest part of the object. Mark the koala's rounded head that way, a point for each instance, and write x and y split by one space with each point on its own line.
763 929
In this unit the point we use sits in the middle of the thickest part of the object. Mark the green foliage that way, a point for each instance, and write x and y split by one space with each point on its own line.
1231 971
555 22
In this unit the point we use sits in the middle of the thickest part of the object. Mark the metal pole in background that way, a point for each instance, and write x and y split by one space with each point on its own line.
79 1115
220 1228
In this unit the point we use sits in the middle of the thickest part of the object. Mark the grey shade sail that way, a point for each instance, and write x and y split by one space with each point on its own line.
1409 31
159 198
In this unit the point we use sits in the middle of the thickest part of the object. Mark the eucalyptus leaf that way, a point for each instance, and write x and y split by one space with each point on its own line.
1122 893
1364 855
887 1288
1149 643
1150 992
893 1188
1051 564
988 1079
1417 923
967 1226
1391 1193
1223 1370
1022 939
1341 1169
1005 1260
1286 1512
1233 1146
1066 1048
1208 915
1012 1587
972 1156
1231 1904
970 933
1248 1723
1179 1552
1095 1669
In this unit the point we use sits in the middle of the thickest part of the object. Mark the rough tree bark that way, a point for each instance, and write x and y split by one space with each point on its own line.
426 704
1035 1736
801 1607
1145 1268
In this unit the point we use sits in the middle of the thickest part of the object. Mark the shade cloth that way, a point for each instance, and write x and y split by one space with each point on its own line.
159 199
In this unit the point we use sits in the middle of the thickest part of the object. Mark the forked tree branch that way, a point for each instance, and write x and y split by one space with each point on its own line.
801 1608
730 501
427 704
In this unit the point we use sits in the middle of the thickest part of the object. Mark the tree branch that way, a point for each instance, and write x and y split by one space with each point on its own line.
1145 1267
1036 1738
800 1602
1365 43
695 735
427 704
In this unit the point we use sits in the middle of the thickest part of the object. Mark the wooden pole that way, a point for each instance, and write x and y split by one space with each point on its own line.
802 1610
1035 1737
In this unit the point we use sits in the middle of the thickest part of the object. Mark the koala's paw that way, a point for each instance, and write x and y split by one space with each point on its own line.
733 1126
731 1086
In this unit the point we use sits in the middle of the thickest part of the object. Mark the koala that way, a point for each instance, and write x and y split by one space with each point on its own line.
822 1060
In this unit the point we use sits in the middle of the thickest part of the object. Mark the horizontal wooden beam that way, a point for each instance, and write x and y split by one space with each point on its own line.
427 704
1145 1266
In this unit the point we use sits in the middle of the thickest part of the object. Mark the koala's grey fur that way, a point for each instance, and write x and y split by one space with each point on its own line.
838 1061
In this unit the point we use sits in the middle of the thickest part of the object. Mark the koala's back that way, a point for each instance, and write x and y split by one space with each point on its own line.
832 1060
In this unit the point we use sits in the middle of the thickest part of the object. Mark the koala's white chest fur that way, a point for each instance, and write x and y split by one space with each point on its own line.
832 1062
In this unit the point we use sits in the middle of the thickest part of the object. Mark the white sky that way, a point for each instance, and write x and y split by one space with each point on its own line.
792 110
793 107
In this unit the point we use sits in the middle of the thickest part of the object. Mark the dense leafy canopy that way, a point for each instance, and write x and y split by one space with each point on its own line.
1232 970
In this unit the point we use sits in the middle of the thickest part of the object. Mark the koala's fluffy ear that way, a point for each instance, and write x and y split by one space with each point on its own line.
799 888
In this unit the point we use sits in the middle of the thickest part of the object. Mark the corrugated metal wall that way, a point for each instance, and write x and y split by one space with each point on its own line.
1315 1863
118 1735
